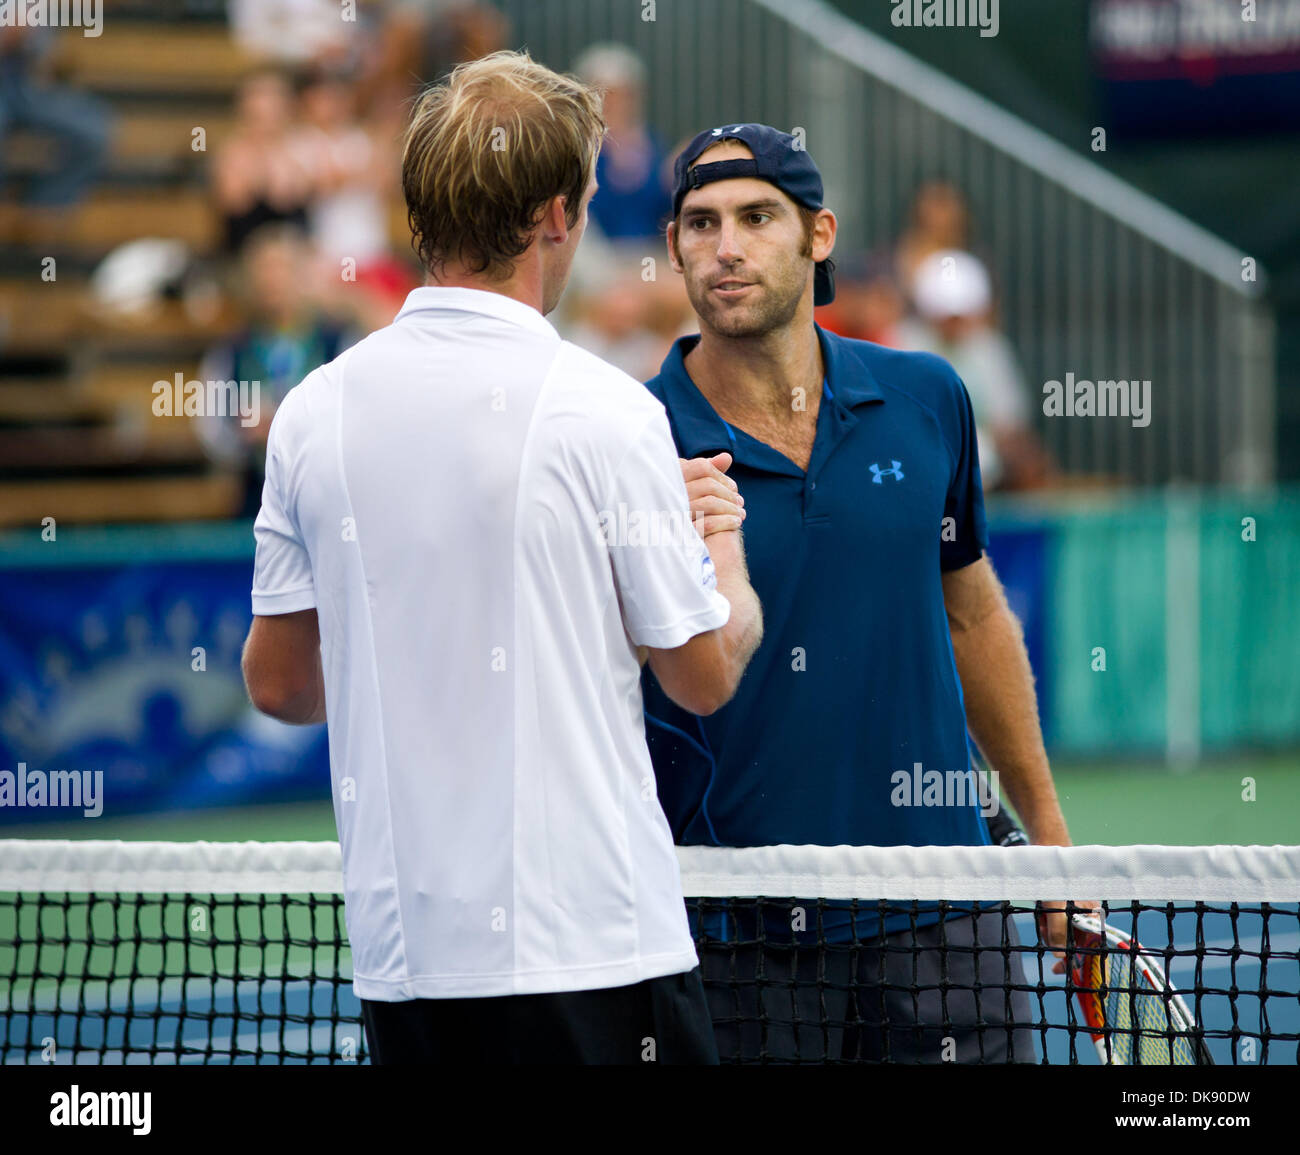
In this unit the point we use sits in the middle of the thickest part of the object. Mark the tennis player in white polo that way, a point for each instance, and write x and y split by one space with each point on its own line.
468 529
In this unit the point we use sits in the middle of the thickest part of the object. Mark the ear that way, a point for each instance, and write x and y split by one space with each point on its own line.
554 225
824 232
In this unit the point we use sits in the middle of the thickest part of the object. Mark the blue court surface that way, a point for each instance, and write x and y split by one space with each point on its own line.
1225 969
191 1021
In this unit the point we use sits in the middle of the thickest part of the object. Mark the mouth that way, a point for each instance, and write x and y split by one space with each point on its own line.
732 287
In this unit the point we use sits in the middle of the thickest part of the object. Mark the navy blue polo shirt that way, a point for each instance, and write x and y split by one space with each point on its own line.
854 682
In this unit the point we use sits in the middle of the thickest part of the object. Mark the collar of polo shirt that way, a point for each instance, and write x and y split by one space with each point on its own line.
475 301
704 433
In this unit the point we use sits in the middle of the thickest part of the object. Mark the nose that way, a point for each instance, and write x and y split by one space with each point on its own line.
728 243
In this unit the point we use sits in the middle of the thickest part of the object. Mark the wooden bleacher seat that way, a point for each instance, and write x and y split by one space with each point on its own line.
60 317
150 134
119 500
111 217
166 58
79 394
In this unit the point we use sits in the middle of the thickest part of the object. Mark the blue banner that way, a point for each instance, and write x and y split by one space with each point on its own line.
122 683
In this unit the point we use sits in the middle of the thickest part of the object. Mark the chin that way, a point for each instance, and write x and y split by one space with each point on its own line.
740 327
738 323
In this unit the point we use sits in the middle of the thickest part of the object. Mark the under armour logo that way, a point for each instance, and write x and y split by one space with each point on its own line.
878 474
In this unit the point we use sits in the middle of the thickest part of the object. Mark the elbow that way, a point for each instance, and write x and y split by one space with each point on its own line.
719 685
268 699
707 706
702 704
725 676
712 694
270 695
291 704
703 676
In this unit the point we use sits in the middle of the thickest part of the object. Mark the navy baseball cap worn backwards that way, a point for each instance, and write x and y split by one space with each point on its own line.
778 159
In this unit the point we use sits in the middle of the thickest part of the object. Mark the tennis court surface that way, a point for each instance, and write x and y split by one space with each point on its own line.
200 952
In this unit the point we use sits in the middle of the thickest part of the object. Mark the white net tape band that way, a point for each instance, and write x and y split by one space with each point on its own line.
1247 874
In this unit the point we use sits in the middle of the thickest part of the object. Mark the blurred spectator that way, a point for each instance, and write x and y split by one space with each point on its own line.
634 200
287 335
421 41
868 304
352 176
939 221
628 320
77 123
954 300
290 31
459 30
258 176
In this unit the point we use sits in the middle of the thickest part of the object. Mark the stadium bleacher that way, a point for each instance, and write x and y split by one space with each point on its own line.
75 439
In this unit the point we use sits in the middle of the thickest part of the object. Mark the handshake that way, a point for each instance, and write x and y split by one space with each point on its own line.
718 512
716 504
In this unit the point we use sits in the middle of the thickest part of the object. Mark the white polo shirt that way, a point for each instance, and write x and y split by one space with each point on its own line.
488 521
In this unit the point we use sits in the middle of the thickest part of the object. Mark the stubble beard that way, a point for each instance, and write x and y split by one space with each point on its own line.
775 309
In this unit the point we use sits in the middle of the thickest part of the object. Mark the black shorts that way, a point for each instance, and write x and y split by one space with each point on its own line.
663 1020
950 992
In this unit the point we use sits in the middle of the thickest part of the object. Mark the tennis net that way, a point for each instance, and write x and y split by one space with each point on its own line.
202 952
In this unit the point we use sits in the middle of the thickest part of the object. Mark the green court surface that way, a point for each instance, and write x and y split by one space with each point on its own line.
1123 805
1109 804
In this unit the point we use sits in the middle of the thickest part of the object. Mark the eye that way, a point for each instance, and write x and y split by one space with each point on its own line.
759 218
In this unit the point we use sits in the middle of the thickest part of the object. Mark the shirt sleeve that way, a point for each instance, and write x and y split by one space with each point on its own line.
665 577
965 536
282 578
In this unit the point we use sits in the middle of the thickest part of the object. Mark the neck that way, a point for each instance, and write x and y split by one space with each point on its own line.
760 373
524 284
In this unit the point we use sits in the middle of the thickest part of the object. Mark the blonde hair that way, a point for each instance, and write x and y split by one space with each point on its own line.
486 150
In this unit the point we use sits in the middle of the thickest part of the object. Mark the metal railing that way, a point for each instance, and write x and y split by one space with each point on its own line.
1093 277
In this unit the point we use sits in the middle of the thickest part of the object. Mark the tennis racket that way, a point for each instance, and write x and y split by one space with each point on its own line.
1133 1012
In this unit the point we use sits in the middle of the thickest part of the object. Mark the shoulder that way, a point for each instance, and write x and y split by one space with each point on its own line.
591 415
923 380
305 406
610 396
925 376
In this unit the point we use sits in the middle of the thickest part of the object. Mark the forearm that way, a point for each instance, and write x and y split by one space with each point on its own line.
744 629
1002 713
282 668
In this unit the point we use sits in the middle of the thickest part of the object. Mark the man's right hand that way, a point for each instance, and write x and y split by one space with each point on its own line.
716 504
702 675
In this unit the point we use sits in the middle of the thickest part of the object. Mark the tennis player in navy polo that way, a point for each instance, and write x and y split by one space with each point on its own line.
887 632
